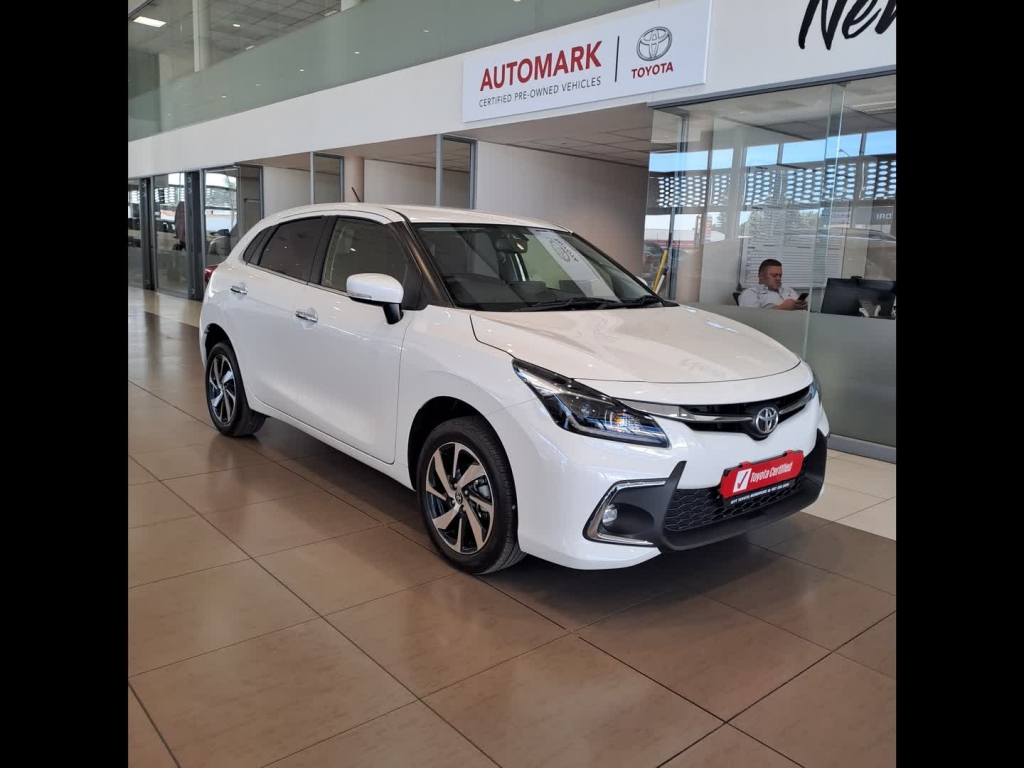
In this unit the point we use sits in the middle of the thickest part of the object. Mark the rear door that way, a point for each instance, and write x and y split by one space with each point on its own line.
265 327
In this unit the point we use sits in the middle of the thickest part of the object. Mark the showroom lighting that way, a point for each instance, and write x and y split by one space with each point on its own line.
236 26
249 47
302 70
331 12
148 21
356 53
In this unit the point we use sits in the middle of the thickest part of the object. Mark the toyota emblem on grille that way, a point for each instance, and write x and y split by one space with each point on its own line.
767 420
654 43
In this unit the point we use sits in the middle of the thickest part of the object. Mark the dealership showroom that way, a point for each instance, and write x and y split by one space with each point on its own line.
511 383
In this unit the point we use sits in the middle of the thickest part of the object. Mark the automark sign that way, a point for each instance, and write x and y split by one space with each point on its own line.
633 54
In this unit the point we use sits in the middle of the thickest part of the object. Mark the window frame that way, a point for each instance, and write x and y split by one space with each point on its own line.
257 247
413 295
317 251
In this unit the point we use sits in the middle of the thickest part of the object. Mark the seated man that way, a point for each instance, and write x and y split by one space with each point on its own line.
770 293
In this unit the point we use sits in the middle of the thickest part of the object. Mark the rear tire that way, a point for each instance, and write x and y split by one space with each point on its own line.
225 394
468 497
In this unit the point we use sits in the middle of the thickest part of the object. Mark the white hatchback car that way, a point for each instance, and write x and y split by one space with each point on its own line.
536 396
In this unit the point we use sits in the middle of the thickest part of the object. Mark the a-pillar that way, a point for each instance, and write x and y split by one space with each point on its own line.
201 43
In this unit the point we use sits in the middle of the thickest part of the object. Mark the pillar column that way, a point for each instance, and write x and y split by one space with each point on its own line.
201 43
354 174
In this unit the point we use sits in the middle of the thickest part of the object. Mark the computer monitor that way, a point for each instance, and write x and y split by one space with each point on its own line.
847 295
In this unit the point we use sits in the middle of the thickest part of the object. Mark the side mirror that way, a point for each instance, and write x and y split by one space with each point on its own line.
381 290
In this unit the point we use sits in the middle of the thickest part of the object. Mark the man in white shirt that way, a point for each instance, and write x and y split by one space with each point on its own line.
770 293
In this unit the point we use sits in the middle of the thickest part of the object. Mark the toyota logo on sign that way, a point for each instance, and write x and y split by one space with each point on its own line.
654 43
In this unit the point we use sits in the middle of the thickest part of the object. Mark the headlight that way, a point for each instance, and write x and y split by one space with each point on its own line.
816 389
578 408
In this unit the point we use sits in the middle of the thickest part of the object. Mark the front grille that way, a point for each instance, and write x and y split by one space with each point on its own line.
743 409
697 507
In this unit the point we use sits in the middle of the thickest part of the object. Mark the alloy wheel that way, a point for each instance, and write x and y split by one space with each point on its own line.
459 498
221 389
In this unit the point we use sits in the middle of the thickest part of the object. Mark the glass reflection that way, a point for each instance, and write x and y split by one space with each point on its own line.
169 233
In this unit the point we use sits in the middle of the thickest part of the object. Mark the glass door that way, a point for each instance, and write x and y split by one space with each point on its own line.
169 228
220 214
135 275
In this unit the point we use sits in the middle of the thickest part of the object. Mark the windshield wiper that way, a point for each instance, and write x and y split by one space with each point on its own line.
576 302
643 301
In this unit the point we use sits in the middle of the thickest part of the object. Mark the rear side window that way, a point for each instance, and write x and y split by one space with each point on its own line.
254 247
292 248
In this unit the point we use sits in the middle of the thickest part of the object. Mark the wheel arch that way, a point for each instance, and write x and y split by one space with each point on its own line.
213 336
435 411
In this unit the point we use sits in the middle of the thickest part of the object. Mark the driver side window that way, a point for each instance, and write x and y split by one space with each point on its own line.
358 246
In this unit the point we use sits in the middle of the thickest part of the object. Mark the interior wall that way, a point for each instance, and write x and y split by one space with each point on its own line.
401 184
604 202
284 188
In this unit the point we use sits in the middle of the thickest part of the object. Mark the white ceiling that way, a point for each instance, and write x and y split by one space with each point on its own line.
258 21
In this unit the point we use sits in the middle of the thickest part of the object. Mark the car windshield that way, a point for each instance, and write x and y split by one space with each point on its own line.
516 268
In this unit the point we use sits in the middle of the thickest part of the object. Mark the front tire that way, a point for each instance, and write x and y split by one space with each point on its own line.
467 496
225 395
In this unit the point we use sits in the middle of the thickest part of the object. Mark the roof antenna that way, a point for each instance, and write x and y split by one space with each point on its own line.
358 200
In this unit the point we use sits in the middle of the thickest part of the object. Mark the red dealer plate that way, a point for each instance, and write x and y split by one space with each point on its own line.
747 479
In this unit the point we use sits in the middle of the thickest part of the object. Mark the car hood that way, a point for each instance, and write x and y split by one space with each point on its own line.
653 344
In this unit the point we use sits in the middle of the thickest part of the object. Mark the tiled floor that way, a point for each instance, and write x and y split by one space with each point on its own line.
284 606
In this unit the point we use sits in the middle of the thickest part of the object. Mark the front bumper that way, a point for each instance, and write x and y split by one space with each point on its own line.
562 480
671 518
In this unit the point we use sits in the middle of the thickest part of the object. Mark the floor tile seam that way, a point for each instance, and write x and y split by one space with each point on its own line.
265 460
281 463
830 484
719 727
859 490
826 570
297 546
838 650
765 621
656 682
189 573
638 603
152 722
159 522
564 634
842 521
327 621
865 509
193 657
808 668
341 733
752 738
151 393
455 728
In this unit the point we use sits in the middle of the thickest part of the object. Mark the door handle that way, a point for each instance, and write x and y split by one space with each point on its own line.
239 289
309 317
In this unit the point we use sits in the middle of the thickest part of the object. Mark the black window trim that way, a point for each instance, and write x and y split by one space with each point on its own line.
257 245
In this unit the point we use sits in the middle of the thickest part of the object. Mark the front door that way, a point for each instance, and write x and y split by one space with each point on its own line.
351 356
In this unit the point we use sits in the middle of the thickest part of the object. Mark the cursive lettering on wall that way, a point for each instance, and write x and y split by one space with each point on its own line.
860 15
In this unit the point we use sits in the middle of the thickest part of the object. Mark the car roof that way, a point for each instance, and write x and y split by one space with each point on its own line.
419 214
